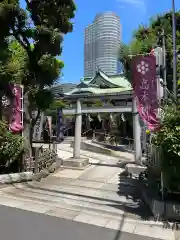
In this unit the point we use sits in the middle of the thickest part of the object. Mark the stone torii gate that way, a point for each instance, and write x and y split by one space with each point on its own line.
127 104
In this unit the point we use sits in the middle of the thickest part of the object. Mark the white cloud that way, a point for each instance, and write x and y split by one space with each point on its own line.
140 4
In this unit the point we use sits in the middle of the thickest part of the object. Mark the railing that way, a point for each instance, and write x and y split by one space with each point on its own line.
84 134
29 164
113 140
43 159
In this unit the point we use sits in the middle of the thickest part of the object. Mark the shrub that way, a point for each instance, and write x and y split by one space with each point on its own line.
11 145
168 139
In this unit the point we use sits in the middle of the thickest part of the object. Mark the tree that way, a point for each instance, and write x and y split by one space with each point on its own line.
38 31
168 137
147 37
4 77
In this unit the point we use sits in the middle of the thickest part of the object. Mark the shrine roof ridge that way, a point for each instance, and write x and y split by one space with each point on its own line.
123 95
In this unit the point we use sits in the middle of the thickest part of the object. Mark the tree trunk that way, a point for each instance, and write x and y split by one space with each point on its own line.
27 163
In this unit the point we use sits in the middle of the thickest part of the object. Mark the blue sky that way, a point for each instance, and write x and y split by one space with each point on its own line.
131 12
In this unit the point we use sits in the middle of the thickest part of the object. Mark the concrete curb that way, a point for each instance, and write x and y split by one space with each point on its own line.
29 176
16 177
76 163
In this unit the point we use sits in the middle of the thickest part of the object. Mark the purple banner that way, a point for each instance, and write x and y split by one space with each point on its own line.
145 89
15 124
60 126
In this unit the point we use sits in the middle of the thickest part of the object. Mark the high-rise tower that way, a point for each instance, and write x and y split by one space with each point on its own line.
101 44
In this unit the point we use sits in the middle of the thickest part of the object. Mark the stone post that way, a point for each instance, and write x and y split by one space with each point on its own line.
36 166
54 144
136 133
78 125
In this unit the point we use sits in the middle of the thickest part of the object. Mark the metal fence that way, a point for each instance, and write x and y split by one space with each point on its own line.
153 156
43 159
152 153
115 141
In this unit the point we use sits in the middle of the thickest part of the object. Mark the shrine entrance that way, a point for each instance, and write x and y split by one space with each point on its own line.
77 106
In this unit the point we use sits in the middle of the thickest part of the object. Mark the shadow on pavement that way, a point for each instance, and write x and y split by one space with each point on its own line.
136 206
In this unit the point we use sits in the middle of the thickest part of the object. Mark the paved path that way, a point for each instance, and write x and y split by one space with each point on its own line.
22 225
100 195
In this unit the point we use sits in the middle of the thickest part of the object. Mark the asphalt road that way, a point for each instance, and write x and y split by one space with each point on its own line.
18 224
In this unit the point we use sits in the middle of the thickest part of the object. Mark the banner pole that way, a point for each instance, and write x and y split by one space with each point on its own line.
136 132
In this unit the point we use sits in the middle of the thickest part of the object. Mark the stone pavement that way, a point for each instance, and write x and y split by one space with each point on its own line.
100 195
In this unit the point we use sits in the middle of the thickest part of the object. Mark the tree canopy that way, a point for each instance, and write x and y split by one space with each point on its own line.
30 43
147 37
33 38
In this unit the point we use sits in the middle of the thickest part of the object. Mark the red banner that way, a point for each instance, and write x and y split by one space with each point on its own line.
16 125
145 89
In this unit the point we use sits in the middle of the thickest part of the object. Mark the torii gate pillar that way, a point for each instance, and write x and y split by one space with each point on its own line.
78 126
76 161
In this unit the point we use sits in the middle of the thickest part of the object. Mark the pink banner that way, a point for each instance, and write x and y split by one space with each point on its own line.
145 89
16 118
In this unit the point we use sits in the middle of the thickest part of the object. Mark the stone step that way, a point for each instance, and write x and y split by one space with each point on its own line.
105 194
104 201
68 204
83 186
122 181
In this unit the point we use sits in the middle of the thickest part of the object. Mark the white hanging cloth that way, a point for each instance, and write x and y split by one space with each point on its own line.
123 117
99 117
111 118
89 118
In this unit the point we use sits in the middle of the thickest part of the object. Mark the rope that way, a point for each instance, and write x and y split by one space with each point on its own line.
86 131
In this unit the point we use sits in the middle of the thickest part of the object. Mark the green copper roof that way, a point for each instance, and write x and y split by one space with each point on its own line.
97 90
115 80
120 81
86 79
101 83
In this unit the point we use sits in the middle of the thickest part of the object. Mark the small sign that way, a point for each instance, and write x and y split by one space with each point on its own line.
38 127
